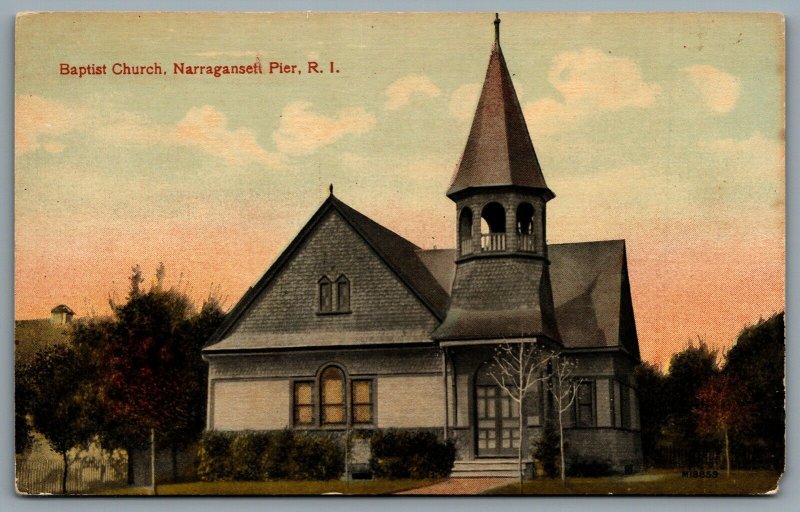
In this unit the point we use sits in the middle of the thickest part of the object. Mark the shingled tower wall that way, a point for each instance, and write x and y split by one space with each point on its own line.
502 282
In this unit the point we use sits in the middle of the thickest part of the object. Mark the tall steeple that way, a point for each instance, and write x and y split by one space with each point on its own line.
501 289
499 151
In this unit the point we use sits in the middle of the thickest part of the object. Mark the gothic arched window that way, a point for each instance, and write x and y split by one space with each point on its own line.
325 295
342 294
332 396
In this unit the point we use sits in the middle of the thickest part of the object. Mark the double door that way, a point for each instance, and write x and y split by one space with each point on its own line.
497 425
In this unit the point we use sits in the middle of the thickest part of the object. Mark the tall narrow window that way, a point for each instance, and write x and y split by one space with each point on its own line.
303 403
332 396
362 401
465 231
625 406
585 405
325 295
342 294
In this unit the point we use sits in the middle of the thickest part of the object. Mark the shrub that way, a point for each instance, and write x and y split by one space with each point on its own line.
246 451
547 450
301 456
589 467
410 454
213 457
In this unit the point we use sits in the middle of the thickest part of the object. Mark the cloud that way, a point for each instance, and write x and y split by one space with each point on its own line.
720 90
400 91
589 81
302 131
463 101
204 128
39 121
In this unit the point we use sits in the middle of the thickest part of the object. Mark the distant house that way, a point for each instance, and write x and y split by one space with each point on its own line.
61 315
354 326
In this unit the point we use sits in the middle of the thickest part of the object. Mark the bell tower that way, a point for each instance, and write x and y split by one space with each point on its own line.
502 283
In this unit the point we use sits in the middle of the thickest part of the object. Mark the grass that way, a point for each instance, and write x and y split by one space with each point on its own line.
277 488
653 482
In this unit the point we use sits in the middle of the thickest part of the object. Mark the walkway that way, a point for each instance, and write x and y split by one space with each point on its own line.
462 486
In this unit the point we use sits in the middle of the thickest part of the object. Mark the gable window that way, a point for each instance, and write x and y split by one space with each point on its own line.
625 406
362 401
585 405
342 294
303 403
325 295
332 396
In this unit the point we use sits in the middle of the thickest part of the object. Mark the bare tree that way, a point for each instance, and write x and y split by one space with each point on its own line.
564 387
517 369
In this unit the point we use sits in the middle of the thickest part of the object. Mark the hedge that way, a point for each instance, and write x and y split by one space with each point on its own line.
275 455
410 454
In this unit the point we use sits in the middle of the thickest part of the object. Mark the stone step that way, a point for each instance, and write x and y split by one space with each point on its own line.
479 468
485 474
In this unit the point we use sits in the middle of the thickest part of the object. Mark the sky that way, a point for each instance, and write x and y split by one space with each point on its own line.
666 130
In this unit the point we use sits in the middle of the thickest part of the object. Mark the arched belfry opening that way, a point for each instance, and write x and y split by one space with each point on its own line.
525 230
465 231
493 227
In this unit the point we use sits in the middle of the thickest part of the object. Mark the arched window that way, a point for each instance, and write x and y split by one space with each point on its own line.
332 396
342 294
465 231
525 226
493 227
325 295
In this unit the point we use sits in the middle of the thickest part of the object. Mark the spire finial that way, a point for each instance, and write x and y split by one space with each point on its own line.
496 28
330 189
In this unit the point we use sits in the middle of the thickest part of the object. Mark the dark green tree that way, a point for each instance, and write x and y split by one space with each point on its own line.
61 405
689 370
653 407
757 362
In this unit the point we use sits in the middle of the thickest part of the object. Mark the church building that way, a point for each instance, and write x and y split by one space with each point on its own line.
355 327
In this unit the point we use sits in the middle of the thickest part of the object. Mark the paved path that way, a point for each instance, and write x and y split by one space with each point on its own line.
461 486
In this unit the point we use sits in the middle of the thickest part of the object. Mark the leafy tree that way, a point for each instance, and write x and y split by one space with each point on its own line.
22 398
517 369
151 379
724 407
689 370
757 362
61 406
653 406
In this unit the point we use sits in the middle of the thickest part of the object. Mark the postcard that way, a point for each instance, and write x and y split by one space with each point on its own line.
408 253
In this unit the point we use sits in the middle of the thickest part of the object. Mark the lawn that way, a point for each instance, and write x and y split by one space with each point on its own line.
277 488
658 482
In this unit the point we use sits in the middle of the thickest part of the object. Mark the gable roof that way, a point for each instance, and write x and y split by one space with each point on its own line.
399 254
62 308
440 263
499 150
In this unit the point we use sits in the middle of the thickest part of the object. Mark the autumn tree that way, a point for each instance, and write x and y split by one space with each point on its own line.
61 406
723 407
517 369
151 379
563 386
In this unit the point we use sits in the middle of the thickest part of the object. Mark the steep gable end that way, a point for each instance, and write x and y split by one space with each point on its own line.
393 297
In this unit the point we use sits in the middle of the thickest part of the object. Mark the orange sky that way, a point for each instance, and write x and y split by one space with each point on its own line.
644 132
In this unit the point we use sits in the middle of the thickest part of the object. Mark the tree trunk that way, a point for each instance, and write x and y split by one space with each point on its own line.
64 473
519 453
561 444
727 455
174 463
153 461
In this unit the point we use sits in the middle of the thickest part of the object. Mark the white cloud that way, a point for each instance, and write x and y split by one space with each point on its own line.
40 121
302 131
589 81
719 89
400 91
206 128
463 101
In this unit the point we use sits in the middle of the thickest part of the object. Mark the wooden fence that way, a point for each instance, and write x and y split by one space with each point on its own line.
44 476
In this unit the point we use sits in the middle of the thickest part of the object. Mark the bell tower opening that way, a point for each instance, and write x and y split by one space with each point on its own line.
525 227
493 227
465 231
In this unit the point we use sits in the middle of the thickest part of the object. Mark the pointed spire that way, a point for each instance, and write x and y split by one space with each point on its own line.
499 151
